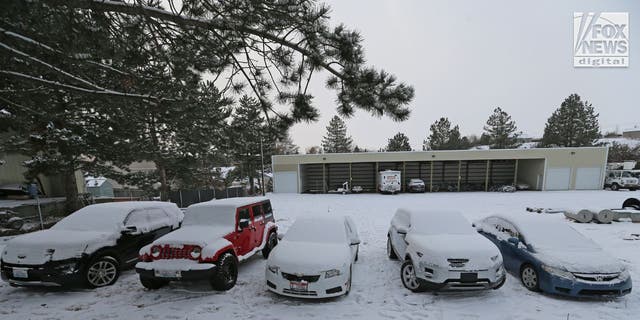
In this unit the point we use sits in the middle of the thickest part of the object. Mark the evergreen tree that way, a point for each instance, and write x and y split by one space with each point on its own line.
313 150
444 137
574 124
622 152
285 146
501 130
336 140
250 136
399 142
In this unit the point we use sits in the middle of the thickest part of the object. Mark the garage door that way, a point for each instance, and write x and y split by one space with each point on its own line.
285 182
558 178
589 178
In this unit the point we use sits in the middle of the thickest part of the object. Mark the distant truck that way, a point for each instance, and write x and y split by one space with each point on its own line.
389 181
621 179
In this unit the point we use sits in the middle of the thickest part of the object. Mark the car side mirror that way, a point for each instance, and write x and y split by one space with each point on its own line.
244 223
355 242
514 241
130 230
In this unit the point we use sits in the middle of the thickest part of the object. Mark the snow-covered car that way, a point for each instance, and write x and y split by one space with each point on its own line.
416 185
621 179
88 247
315 258
214 237
549 255
440 250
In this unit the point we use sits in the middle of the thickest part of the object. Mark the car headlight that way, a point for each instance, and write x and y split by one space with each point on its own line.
273 269
558 272
155 251
624 275
195 252
331 273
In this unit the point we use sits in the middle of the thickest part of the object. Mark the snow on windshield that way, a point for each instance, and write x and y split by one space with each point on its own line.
317 230
555 235
93 218
210 215
431 222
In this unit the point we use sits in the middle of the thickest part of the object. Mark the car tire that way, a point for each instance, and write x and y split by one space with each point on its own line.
390 253
153 283
504 279
529 277
102 271
615 187
272 241
346 293
409 279
226 273
631 203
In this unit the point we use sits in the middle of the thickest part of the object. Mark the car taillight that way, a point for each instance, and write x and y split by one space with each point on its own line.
155 251
195 252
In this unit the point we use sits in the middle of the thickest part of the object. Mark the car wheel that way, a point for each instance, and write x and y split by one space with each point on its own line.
409 279
529 278
631 203
272 241
615 187
152 284
390 253
226 274
102 271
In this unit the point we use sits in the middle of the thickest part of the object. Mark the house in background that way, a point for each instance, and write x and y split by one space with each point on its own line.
99 187
632 133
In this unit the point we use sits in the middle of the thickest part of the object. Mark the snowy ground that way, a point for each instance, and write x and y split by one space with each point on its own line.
377 290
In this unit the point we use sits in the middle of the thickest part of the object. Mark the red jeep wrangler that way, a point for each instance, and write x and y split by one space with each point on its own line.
214 237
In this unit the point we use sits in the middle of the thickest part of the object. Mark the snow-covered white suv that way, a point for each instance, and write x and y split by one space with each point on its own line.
442 251
621 179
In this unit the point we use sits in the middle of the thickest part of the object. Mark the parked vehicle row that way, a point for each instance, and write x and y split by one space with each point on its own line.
439 250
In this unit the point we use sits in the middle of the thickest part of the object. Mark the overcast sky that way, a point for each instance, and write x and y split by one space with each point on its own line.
466 57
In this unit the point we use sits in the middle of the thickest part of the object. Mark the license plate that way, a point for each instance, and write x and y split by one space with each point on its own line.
168 273
468 277
299 286
20 273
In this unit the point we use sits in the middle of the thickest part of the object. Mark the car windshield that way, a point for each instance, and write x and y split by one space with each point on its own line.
553 236
92 218
317 230
440 223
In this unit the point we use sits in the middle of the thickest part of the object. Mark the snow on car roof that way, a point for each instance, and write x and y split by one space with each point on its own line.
428 221
545 232
322 229
217 212
105 216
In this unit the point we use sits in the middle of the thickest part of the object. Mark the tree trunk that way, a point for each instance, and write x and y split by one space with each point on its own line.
71 192
164 187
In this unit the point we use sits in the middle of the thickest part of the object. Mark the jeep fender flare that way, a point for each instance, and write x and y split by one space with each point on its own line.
214 250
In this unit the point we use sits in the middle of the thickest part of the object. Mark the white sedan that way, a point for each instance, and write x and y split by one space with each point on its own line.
315 258
442 251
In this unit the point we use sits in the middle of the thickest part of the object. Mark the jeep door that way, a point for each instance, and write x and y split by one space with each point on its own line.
244 235
259 223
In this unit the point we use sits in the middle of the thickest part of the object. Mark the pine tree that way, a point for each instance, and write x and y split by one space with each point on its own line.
285 146
336 140
574 124
444 137
622 152
501 130
313 150
399 142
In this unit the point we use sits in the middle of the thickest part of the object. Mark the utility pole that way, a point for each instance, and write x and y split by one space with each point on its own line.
262 186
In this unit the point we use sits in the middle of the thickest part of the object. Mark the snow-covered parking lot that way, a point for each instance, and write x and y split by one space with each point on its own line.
377 290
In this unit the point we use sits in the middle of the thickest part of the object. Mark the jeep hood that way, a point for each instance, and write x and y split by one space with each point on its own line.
194 235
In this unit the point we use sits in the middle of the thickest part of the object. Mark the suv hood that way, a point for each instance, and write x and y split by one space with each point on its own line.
35 248
438 248
309 257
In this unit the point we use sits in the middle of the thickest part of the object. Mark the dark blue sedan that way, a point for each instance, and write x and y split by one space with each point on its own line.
550 256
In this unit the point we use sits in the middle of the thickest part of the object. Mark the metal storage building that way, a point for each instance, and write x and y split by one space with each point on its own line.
450 170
